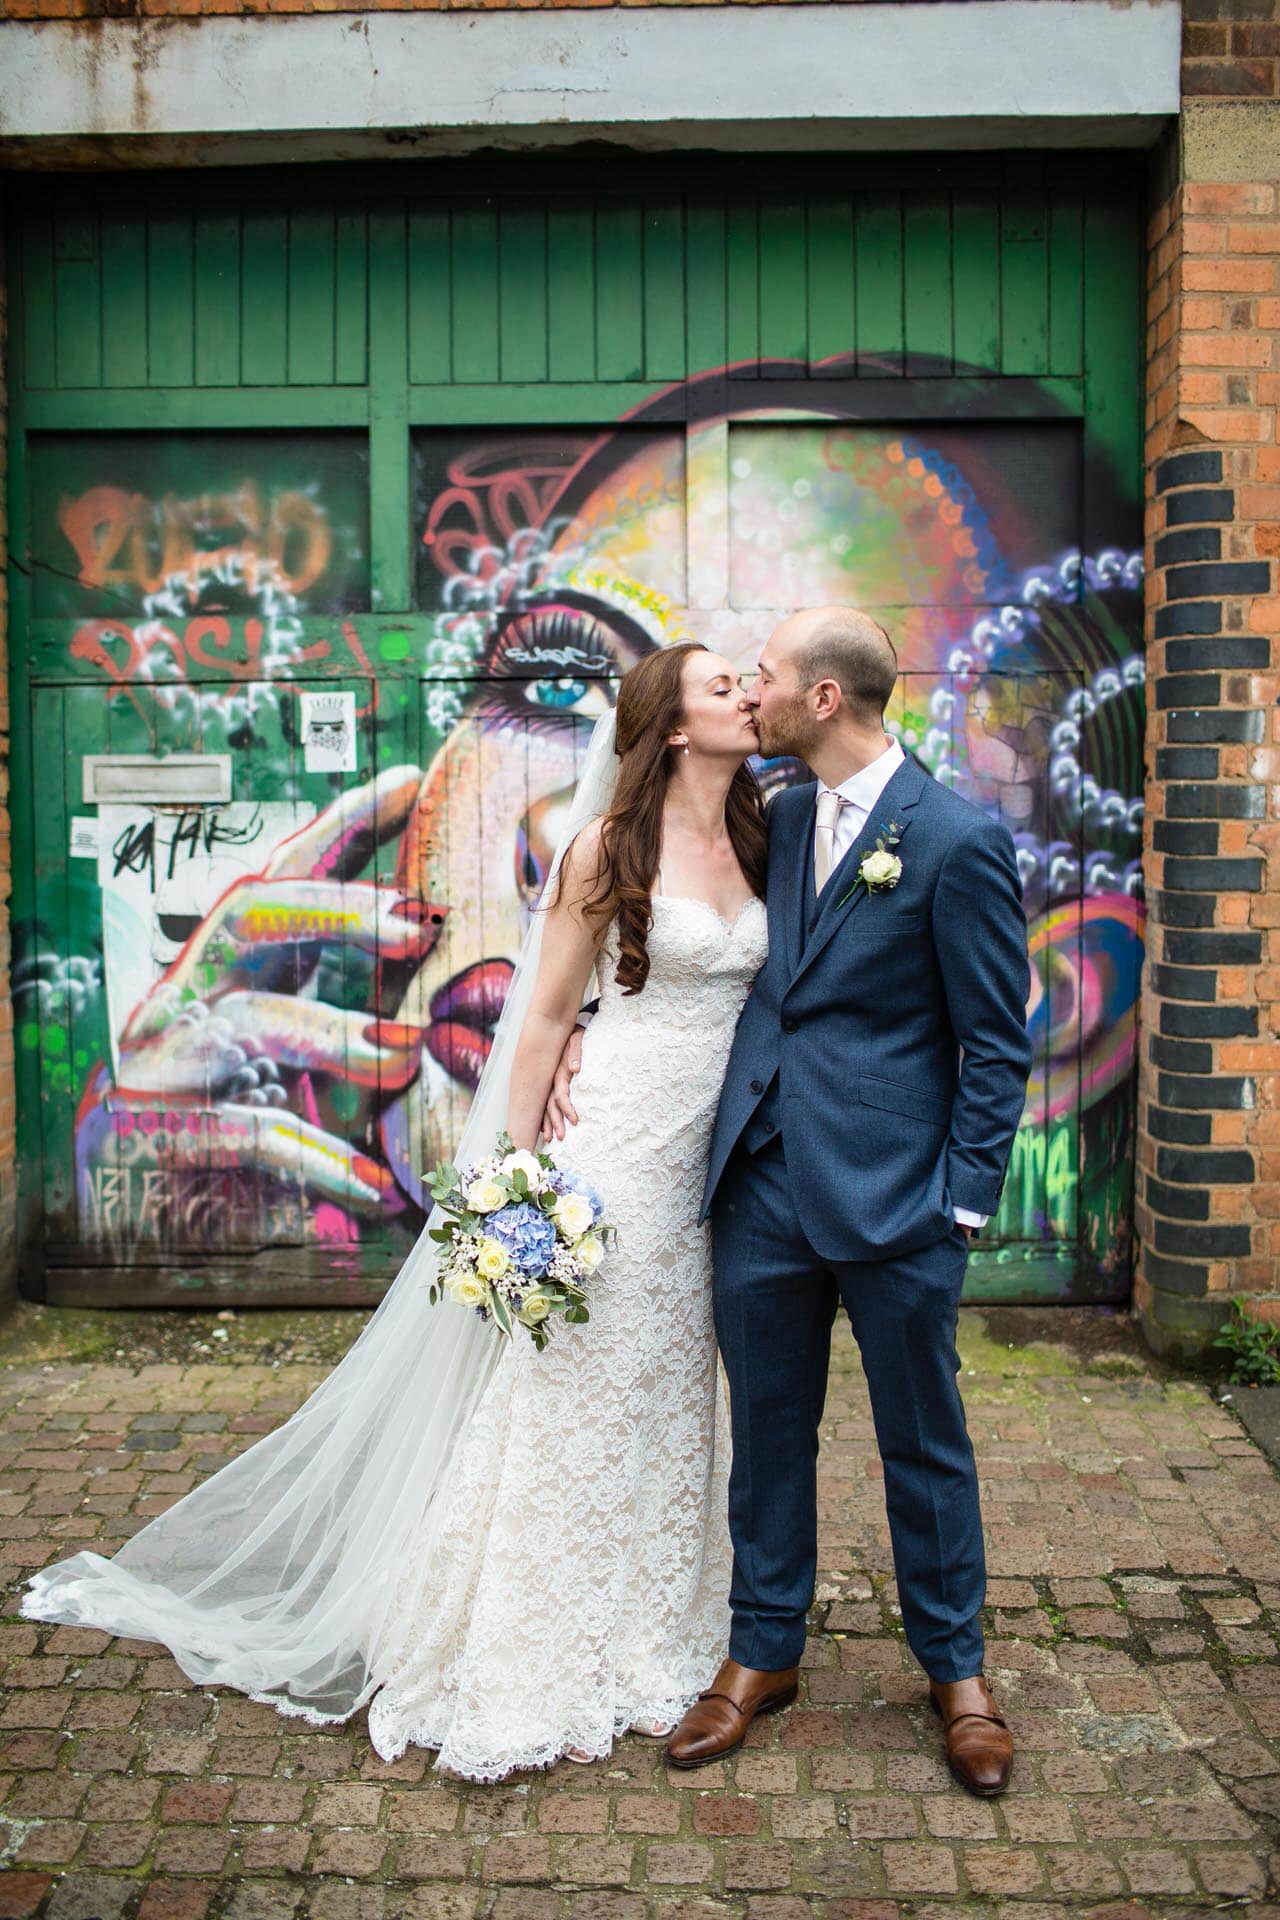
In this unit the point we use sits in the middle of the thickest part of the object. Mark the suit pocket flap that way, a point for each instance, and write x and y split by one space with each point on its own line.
895 1099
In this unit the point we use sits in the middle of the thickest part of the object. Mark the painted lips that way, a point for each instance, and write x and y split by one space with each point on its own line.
464 1013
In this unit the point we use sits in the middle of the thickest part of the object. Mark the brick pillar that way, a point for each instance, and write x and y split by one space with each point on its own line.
1208 1215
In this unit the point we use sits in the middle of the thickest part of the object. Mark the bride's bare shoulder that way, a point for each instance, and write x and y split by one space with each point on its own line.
584 860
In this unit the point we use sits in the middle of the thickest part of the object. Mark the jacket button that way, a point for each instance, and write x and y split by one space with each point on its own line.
757 1086
790 1026
771 1126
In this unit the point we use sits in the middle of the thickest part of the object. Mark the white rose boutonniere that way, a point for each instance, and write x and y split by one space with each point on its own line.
880 870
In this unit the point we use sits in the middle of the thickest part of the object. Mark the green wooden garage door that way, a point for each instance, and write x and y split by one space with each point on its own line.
347 500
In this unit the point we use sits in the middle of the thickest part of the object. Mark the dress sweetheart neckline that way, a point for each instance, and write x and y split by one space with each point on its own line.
695 900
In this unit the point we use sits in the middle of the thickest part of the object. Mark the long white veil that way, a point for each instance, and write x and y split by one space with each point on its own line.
275 1575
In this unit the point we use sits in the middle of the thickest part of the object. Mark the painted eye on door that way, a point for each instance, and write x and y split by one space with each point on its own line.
568 696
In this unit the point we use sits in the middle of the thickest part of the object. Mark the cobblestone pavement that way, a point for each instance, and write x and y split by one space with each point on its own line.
1135 1594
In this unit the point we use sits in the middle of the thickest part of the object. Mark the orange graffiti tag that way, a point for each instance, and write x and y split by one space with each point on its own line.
122 539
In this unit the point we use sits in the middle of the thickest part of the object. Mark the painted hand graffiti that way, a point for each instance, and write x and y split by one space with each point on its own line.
230 1061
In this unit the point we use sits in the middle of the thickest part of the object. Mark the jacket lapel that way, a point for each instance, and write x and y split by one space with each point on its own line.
797 878
844 892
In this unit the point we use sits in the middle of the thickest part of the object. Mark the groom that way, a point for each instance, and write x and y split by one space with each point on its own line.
871 1099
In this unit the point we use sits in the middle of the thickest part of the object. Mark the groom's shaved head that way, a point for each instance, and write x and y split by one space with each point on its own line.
841 644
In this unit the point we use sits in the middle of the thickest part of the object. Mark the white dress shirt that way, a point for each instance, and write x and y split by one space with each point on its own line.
860 793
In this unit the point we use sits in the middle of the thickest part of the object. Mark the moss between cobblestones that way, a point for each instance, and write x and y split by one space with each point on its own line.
33 1335
1008 1342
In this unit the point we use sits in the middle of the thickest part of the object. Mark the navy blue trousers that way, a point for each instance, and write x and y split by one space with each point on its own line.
775 1304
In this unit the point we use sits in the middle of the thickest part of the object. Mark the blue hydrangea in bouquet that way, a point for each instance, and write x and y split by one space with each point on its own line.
519 1241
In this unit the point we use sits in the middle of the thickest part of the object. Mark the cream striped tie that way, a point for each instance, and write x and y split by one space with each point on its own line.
824 839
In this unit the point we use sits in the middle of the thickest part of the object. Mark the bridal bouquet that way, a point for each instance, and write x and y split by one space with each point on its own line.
519 1241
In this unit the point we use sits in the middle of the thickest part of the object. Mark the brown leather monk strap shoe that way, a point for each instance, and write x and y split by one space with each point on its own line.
717 1721
979 1744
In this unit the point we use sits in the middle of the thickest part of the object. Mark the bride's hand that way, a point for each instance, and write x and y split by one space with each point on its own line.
561 1112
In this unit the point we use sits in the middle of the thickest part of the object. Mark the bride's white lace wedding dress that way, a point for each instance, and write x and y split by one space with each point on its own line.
575 1579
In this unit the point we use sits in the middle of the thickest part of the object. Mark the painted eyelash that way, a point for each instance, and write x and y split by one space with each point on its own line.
552 630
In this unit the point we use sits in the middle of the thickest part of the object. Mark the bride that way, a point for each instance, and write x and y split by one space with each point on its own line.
513 1556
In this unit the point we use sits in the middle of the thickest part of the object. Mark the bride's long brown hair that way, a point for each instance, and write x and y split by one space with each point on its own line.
650 709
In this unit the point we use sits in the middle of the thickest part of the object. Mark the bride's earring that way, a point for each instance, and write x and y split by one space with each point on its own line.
686 746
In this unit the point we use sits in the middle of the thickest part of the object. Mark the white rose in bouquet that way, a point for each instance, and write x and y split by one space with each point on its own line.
492 1260
573 1215
485 1196
526 1163
468 1289
589 1252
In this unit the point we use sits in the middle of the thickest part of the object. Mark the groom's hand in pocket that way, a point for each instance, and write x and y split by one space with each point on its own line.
561 1112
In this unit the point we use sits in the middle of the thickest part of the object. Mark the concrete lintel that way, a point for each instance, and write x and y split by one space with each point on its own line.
967 73
119 152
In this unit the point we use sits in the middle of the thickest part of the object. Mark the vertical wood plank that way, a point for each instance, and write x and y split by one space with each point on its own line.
975 269
351 305
1112 371
123 241
1024 278
311 297
619 292
39 362
264 300
170 300
1066 281
706 286
53 917
742 285
784 319
829 279
430 352
474 253
707 514
522 292
77 296
217 299
571 292
663 290
927 307
878 260
390 506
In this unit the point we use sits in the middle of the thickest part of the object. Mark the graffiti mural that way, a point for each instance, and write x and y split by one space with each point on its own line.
267 1018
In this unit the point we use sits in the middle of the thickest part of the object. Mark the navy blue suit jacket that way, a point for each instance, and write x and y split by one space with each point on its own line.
887 1035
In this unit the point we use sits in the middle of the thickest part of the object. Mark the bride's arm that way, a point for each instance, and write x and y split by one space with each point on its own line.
564 966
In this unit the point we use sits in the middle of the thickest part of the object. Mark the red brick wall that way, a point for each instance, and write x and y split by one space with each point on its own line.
1208 1211
1231 49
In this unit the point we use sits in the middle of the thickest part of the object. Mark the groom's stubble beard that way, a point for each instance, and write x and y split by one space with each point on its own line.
791 730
